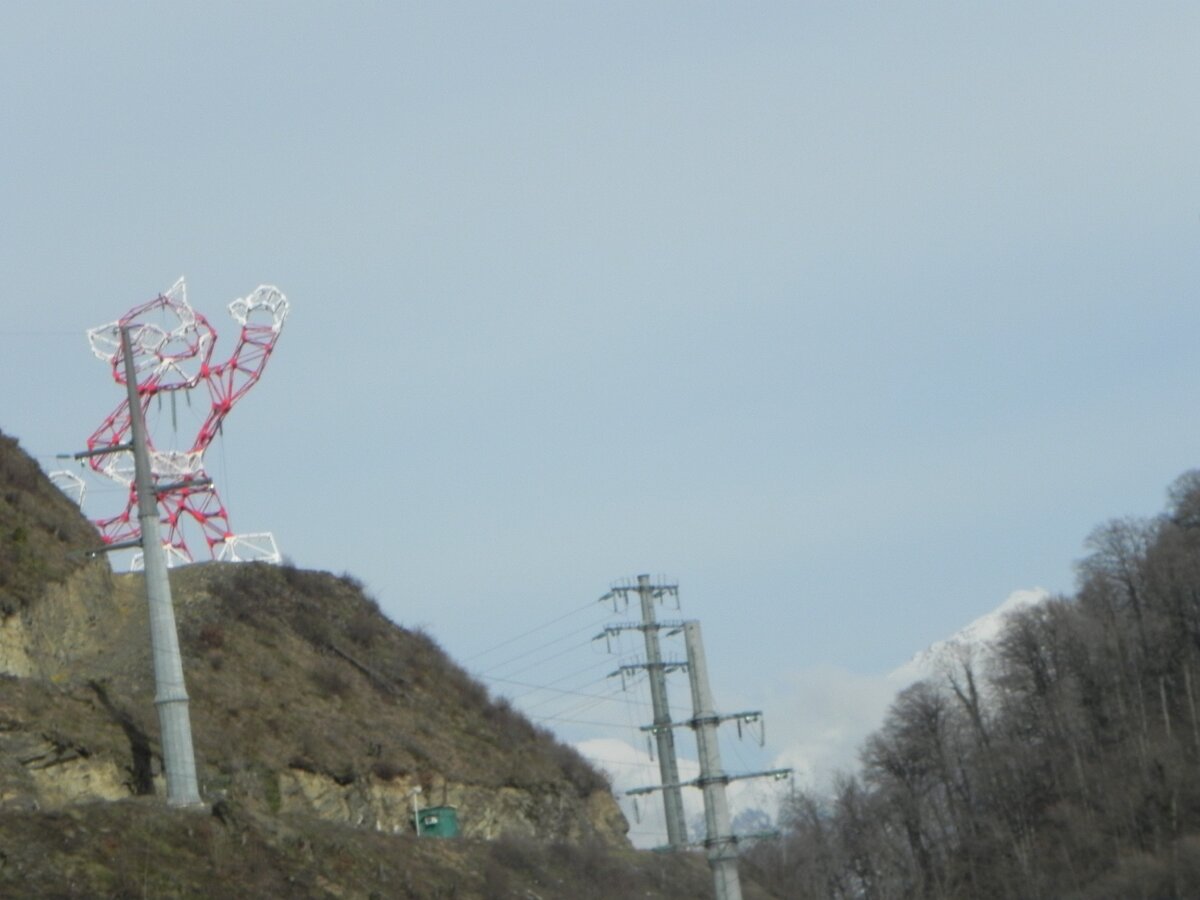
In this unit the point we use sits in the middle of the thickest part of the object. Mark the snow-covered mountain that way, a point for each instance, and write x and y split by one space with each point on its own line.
974 638
822 715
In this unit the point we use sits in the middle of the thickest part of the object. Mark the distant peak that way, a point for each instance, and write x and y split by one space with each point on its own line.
976 635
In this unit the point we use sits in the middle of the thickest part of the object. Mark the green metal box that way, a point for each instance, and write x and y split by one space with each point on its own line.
438 821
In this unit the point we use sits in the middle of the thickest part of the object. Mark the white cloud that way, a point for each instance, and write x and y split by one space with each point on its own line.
629 767
820 716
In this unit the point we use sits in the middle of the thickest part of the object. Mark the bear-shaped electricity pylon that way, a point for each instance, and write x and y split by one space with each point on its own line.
173 352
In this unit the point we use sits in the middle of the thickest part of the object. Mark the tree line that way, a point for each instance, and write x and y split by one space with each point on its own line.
1062 761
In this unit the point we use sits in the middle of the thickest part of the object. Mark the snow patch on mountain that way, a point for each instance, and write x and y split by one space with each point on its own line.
973 641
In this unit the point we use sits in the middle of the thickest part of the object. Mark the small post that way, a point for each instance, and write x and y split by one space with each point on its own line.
414 793
170 695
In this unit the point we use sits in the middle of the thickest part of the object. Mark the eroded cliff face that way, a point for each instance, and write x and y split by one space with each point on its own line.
68 623
337 718
486 813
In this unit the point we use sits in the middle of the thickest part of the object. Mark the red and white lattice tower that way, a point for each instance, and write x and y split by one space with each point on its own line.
173 348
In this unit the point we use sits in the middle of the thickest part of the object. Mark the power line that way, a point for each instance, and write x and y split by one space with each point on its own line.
580 706
577 691
619 762
546 659
533 630
520 656
548 688
572 721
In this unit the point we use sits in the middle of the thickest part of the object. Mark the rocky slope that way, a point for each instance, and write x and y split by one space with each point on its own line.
304 699
315 719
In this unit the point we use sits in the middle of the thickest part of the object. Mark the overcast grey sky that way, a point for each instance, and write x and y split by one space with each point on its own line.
853 318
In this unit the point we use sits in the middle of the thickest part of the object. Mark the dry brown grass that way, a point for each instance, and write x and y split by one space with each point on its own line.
42 533
139 848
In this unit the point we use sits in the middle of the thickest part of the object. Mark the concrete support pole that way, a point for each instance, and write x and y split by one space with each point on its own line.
719 841
664 736
170 695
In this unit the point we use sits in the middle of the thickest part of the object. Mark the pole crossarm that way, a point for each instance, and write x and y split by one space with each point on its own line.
720 778
657 591
693 723
610 630
634 792
109 548
99 451
664 666
643 589
777 774
186 483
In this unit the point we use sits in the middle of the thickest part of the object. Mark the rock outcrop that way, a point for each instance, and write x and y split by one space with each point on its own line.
305 699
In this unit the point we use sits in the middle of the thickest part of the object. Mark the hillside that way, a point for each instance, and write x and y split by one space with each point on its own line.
314 717
1055 757
41 532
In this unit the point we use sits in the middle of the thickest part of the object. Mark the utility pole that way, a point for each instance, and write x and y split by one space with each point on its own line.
720 843
656 674
664 737
170 695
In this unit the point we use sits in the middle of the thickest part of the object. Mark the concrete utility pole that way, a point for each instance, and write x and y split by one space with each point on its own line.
170 696
664 735
662 727
719 838
720 843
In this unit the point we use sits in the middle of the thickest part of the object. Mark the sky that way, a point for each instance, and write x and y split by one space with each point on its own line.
851 319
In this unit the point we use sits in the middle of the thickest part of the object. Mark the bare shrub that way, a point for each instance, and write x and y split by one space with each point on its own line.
497 884
313 625
365 628
515 853
329 679
584 777
387 770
